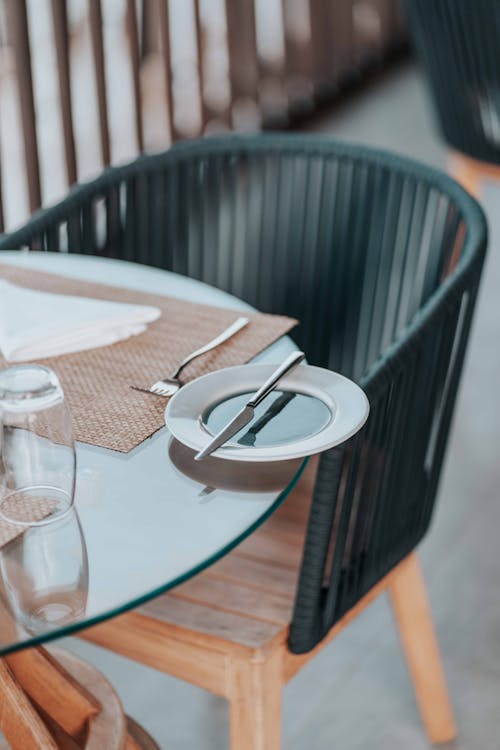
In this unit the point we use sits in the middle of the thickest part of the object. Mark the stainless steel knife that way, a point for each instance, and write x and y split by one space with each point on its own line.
245 415
249 437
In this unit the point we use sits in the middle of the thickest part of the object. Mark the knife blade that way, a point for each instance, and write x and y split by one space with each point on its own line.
246 414
249 437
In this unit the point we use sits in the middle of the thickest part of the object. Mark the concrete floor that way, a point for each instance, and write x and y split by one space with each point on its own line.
356 695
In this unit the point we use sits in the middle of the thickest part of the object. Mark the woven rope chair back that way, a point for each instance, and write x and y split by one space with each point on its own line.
457 43
379 258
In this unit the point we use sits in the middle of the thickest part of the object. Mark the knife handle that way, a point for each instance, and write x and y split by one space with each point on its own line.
287 366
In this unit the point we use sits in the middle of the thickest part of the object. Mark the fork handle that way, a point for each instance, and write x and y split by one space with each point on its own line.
224 336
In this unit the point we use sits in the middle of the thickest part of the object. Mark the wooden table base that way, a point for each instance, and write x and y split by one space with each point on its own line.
52 700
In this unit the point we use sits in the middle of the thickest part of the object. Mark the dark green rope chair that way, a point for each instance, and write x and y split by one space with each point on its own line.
457 42
380 260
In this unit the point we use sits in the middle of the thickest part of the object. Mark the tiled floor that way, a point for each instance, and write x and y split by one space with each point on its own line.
356 695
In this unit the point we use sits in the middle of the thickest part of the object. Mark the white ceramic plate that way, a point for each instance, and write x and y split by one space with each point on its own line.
326 409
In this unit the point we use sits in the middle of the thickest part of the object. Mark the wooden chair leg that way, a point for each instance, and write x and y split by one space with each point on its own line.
255 702
413 616
464 172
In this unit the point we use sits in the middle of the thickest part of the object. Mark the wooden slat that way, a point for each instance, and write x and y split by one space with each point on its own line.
61 38
53 689
299 62
296 508
17 21
255 574
133 40
242 50
269 549
149 27
280 540
19 721
96 33
108 729
298 504
321 43
164 23
2 219
226 596
200 65
209 626
61 738
287 528
384 11
399 22
343 39
292 517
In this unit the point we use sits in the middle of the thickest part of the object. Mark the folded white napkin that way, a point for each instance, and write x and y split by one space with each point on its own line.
34 325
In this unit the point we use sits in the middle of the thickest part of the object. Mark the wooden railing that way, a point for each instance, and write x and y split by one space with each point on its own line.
192 67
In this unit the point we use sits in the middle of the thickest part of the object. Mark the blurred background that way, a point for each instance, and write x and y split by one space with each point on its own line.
87 83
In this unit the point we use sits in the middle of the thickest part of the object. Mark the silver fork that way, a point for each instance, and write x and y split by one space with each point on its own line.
170 385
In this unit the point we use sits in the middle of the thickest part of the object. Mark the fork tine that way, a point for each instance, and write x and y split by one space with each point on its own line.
171 384
161 389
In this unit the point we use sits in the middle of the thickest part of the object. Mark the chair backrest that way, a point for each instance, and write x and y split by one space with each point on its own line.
457 42
378 257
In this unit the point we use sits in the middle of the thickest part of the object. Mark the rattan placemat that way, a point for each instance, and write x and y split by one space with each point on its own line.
25 509
106 411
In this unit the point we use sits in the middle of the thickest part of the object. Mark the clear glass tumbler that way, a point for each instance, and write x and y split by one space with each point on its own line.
37 450
43 564
45 574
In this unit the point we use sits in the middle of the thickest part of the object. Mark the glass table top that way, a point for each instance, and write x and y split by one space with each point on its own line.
146 520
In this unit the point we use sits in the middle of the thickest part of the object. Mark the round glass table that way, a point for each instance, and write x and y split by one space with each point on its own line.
149 519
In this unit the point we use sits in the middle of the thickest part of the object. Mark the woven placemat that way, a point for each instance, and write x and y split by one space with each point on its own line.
26 509
105 409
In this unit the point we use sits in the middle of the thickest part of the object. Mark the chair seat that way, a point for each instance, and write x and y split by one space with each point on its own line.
248 596
226 630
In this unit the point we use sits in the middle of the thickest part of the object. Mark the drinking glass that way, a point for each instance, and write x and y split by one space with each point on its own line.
45 574
37 450
44 566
